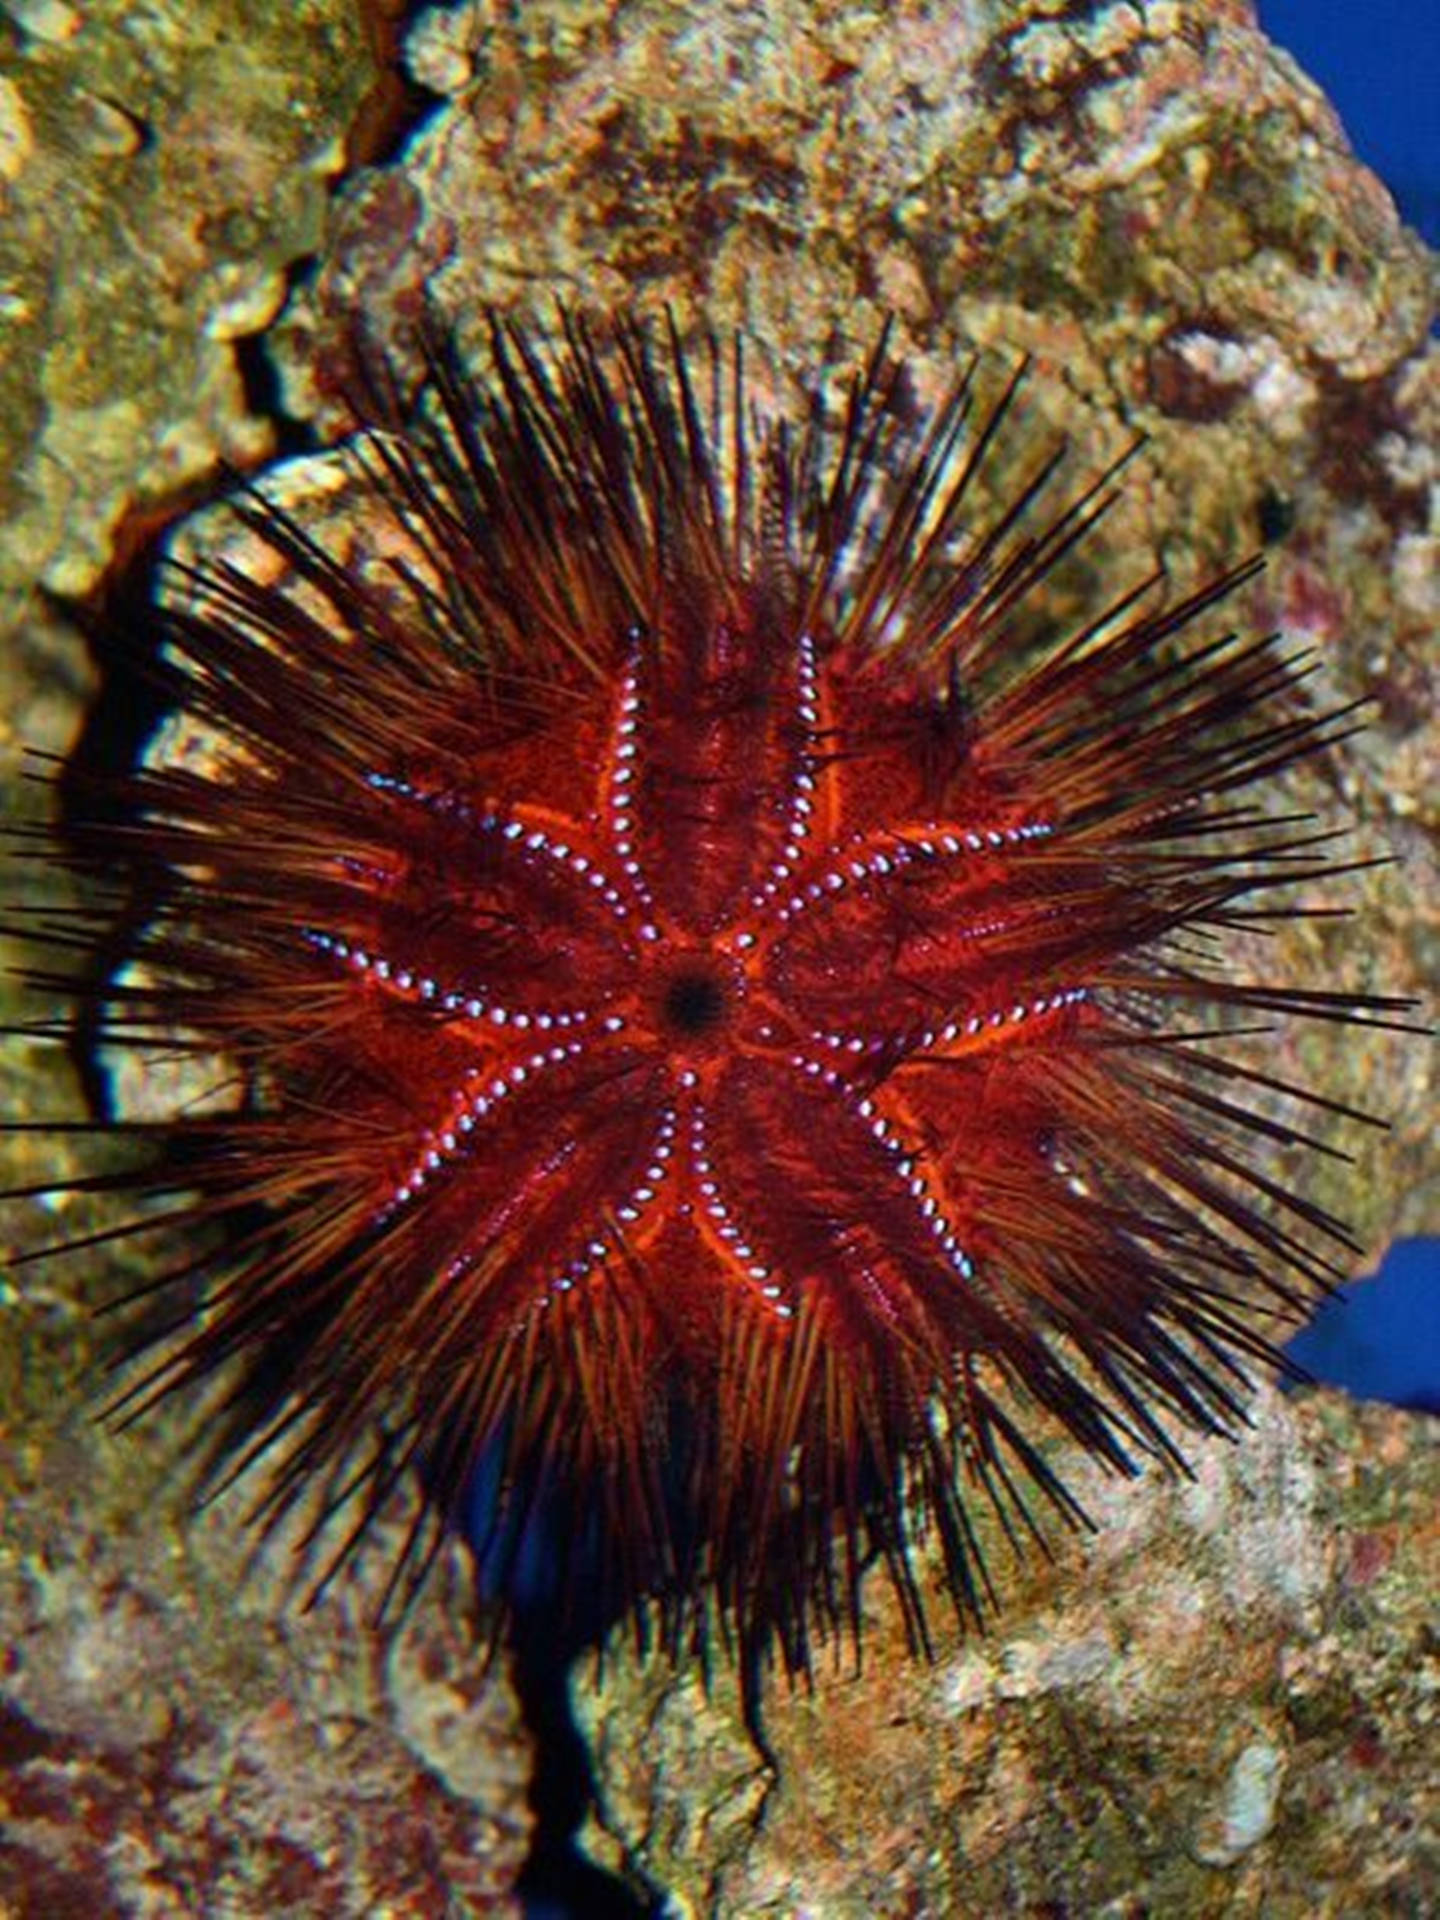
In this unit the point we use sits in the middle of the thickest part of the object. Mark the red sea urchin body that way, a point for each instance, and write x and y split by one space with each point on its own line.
727 1013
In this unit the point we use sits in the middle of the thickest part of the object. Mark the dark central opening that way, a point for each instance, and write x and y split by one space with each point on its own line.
694 1001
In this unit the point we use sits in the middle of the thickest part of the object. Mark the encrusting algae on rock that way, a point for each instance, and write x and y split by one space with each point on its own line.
1123 166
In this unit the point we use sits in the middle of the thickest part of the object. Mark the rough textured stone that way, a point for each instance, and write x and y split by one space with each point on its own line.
175 1744
1223 1704
161 170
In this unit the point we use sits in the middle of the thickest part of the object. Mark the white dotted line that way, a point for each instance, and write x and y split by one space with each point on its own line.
802 786
527 839
904 1165
473 1107
930 845
421 987
622 819
723 1224
968 1029
640 1197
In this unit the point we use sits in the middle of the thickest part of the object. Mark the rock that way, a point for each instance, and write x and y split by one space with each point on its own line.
162 170
1226 1701
1219 1703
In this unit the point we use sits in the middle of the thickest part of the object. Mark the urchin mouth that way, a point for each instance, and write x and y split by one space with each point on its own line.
695 1002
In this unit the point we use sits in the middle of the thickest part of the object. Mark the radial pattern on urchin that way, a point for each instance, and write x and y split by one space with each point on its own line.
726 1003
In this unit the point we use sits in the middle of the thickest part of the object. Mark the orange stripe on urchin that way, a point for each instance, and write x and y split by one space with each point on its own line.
732 1008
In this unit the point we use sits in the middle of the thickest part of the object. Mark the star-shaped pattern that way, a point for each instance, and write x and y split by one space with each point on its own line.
723 990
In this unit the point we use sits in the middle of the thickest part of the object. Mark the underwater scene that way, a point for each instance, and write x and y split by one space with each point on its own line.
718 959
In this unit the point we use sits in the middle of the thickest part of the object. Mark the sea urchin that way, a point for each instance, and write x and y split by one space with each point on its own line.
729 1012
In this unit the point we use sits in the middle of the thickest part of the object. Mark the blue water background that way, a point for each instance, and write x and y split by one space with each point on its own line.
1380 1339
1378 61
